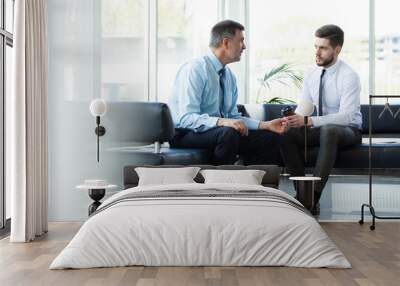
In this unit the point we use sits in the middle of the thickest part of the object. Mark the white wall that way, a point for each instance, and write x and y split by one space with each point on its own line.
74 80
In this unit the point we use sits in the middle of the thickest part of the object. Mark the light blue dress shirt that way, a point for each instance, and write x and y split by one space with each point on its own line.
195 97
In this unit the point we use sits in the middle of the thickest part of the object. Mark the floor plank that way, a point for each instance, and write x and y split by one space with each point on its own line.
374 255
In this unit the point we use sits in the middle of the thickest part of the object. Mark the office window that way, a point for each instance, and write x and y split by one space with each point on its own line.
6 60
123 60
2 134
9 12
183 33
280 35
387 47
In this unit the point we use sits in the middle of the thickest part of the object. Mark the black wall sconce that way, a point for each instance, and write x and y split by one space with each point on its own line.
98 107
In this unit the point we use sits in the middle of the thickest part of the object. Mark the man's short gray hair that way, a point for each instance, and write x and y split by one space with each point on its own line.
224 29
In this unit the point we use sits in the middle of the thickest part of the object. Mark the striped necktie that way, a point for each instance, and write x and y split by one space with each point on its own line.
320 111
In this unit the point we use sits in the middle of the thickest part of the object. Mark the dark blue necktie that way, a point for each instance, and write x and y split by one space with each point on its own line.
320 111
221 92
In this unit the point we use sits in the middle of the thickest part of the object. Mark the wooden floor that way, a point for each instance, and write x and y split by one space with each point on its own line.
375 257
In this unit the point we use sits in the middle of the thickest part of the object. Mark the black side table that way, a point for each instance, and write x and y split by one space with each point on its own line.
305 187
96 193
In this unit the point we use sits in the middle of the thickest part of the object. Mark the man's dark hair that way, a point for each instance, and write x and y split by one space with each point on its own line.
224 29
333 33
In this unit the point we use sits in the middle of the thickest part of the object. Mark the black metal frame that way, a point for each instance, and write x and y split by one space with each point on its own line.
6 39
370 204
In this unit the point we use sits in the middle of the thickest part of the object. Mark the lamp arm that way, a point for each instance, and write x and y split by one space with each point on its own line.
100 131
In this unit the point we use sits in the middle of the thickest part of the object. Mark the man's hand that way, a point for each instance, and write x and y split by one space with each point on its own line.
296 121
278 125
236 124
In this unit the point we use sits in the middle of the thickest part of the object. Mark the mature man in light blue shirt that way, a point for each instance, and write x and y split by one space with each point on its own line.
334 87
204 105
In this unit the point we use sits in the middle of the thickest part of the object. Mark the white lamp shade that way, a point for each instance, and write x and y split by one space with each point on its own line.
98 107
305 108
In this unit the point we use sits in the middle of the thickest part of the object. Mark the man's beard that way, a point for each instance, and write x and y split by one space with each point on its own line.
326 62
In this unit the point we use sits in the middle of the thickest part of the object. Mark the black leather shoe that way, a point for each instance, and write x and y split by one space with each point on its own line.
316 210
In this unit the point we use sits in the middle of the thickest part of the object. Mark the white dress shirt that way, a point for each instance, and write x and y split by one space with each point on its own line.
340 95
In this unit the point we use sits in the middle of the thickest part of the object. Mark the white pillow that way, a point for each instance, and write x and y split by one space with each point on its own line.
166 176
249 177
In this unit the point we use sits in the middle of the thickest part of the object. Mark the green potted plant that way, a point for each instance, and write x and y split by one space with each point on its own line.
285 74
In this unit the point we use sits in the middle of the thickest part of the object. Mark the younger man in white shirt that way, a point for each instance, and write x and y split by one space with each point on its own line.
334 87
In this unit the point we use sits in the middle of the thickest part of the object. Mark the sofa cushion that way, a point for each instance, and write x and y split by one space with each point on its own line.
386 124
383 156
144 122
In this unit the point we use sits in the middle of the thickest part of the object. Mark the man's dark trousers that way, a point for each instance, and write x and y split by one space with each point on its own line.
329 138
259 147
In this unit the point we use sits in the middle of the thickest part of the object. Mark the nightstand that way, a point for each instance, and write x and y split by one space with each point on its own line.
96 190
305 187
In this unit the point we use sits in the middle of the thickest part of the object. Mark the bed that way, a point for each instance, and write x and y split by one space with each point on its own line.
193 224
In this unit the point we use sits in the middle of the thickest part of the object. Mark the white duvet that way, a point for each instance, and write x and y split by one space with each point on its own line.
200 231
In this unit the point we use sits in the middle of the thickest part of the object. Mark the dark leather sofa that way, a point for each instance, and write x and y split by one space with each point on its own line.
144 123
151 122
385 131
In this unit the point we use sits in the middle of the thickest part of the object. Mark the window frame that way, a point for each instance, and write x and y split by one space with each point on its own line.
6 39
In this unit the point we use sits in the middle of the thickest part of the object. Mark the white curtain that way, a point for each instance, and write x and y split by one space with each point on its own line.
28 122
